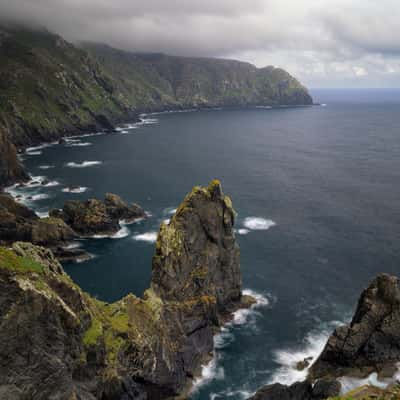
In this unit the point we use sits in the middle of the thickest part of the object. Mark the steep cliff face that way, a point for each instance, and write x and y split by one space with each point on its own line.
156 81
372 340
48 88
58 342
11 169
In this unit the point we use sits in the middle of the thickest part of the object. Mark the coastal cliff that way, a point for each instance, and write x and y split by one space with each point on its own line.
369 344
77 347
50 88
11 169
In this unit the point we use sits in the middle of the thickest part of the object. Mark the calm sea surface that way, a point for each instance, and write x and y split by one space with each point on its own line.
327 176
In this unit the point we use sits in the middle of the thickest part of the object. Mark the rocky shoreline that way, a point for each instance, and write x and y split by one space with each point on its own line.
137 348
58 231
370 344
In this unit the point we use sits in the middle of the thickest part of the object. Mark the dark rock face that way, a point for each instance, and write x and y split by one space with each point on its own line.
58 342
197 254
196 282
94 217
372 340
322 389
11 169
19 223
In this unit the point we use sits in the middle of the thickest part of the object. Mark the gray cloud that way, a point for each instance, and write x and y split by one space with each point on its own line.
324 43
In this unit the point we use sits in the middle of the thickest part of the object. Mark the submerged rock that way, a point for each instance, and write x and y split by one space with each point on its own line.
372 340
58 342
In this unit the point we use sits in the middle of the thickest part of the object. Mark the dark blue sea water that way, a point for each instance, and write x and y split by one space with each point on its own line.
328 176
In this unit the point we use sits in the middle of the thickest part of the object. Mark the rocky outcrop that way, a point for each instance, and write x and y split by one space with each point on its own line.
371 342
95 217
58 342
11 169
322 389
19 223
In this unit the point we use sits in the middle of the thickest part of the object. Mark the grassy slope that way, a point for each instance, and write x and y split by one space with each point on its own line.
157 80
48 86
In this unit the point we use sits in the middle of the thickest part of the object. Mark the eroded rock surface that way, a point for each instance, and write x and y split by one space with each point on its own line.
372 340
96 217
322 389
19 223
61 343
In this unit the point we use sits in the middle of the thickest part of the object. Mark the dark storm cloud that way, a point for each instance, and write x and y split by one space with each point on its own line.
320 41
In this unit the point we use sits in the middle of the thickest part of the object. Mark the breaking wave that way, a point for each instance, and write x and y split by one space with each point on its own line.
83 164
150 237
79 189
258 223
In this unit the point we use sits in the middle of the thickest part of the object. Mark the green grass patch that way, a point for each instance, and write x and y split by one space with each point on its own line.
91 335
10 261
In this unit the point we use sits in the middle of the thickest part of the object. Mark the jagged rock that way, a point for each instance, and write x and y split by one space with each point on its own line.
11 169
93 217
305 390
19 223
197 254
58 342
372 340
88 217
120 210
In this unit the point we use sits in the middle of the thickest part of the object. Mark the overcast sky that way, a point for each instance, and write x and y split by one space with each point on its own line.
325 43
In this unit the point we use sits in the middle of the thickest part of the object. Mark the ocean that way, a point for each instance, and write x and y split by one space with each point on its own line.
318 199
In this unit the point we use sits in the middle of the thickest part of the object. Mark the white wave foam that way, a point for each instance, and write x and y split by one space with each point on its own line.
148 121
79 144
79 189
51 184
288 359
150 237
83 164
209 372
349 383
243 231
248 315
42 214
265 107
45 166
39 196
72 245
258 223
238 394
37 150
122 233
223 339
166 221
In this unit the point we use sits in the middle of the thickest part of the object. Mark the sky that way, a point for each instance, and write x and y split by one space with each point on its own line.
324 43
